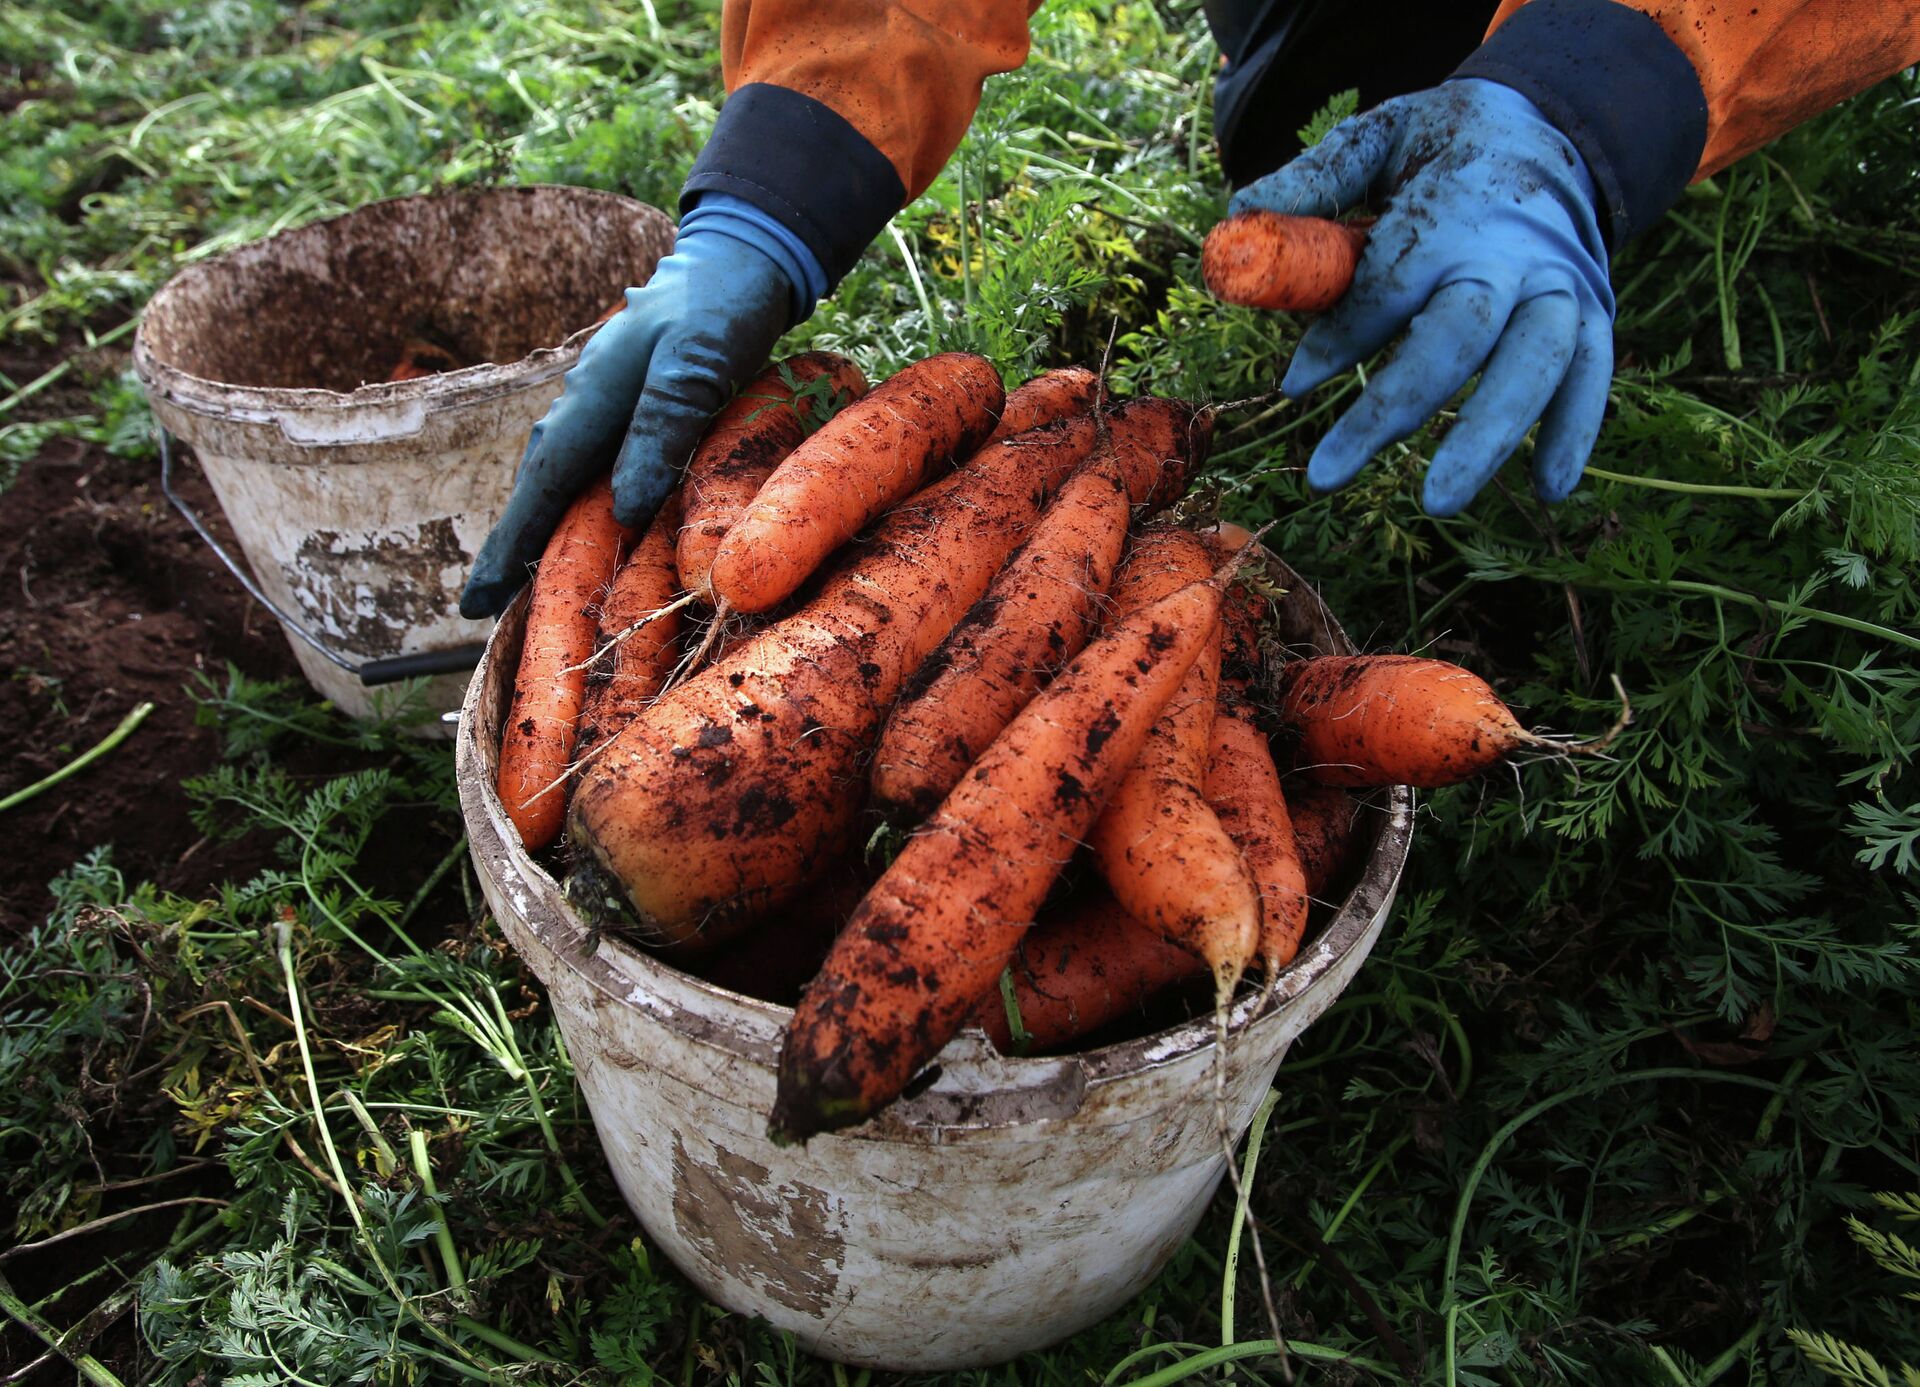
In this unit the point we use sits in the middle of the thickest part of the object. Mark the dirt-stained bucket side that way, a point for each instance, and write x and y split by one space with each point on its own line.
359 503
1008 1205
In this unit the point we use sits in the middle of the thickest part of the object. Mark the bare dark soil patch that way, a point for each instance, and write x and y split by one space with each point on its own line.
110 600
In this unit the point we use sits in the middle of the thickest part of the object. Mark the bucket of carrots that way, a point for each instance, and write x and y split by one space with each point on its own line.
932 839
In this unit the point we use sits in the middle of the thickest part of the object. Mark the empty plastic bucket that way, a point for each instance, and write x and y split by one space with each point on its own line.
359 503
1010 1204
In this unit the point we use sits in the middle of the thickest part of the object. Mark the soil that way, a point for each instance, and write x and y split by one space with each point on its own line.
111 600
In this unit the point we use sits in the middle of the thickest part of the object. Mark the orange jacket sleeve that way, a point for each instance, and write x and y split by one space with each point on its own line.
1654 93
840 112
1767 65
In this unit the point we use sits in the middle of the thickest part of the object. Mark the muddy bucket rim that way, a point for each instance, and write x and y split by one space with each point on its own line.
629 977
466 385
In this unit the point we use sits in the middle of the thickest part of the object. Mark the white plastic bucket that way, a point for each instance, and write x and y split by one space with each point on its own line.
359 503
1010 1204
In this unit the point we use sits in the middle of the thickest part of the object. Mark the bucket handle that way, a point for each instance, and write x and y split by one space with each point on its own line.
371 673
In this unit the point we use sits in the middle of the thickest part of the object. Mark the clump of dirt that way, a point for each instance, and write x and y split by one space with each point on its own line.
112 600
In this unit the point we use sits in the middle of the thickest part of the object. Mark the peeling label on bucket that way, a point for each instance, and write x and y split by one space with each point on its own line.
783 1239
368 589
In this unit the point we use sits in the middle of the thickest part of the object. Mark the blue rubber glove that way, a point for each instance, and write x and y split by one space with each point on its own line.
646 384
1488 255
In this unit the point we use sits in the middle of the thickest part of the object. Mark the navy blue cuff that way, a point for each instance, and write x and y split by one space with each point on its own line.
1612 81
800 162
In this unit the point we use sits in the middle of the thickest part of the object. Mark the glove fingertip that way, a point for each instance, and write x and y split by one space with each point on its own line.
1442 495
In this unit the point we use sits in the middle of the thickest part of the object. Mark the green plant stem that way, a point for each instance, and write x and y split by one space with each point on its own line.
567 1177
1258 1348
54 373
1865 628
466 1324
1735 1351
284 946
1757 493
1449 1301
442 1233
1230 1273
455 855
89 1367
84 759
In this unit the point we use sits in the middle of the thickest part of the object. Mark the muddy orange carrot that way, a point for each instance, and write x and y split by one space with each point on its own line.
1049 396
740 449
1243 787
1159 846
869 456
1085 970
1326 831
1266 260
1367 720
639 622
1036 616
729 791
932 936
551 683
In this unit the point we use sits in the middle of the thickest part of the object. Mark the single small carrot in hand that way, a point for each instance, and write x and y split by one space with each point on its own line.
932 936
1293 264
642 624
740 450
551 683
1371 720
1243 787
1081 972
868 457
1048 396
1160 847
1039 611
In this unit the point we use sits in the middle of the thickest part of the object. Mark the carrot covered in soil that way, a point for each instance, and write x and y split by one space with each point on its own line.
1089 968
640 616
1037 615
868 457
732 789
1243 787
932 936
551 683
1370 720
740 449
1048 396
1326 831
1159 846
1294 264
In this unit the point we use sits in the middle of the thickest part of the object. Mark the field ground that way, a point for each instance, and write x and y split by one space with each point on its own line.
277 1105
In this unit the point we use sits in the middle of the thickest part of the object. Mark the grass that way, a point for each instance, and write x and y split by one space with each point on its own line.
1608 1104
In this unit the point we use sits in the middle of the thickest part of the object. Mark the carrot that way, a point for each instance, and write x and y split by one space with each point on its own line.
864 460
1083 971
1266 260
1326 822
1367 720
934 933
1048 396
633 672
742 446
552 680
1243 787
1036 616
419 358
1159 846
730 790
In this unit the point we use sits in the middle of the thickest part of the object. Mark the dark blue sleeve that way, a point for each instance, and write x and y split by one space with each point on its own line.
803 164
1613 82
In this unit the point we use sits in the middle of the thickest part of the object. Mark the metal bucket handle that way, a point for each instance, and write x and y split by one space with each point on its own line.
371 673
